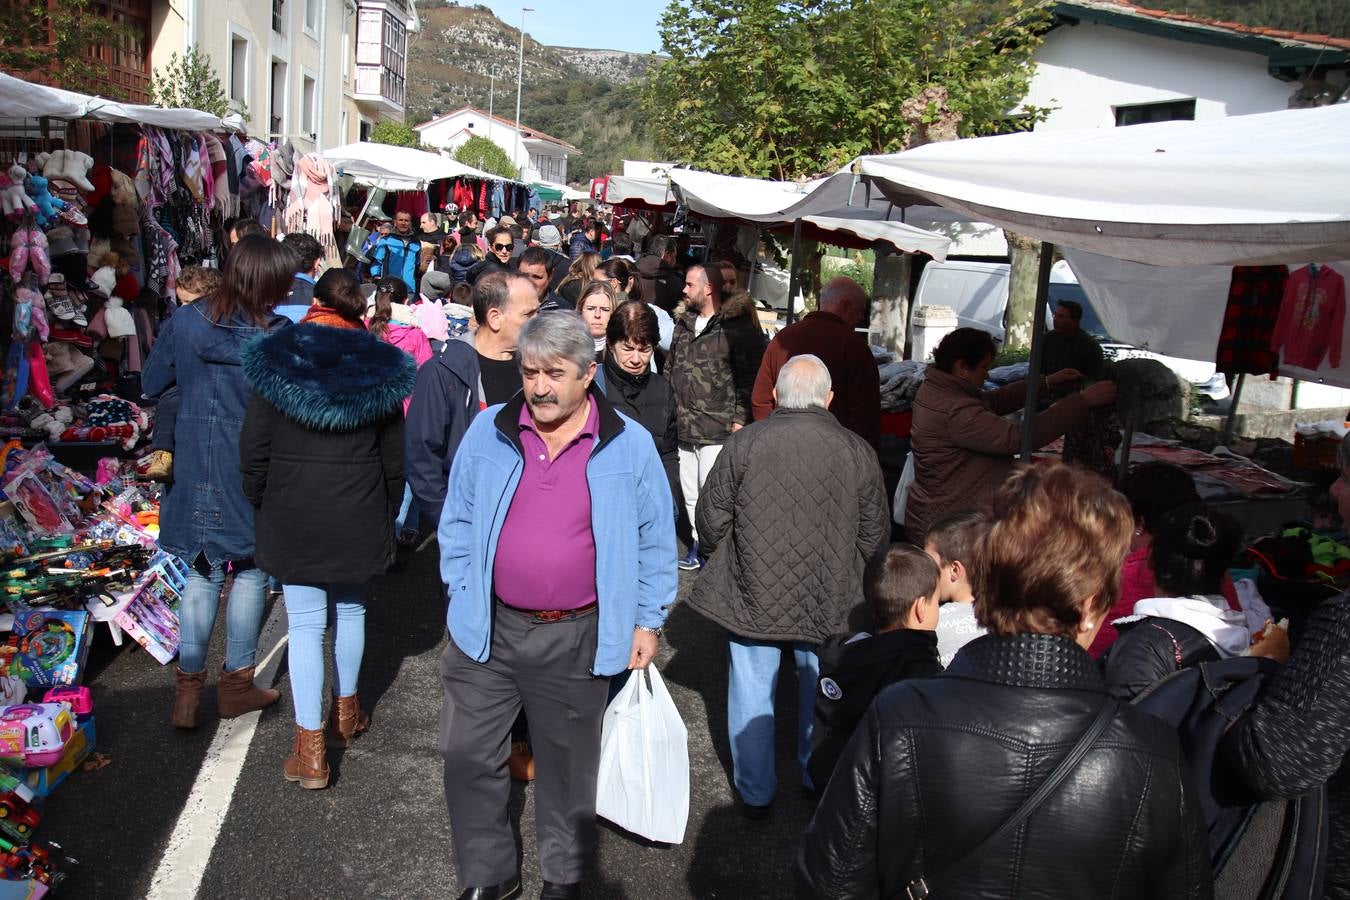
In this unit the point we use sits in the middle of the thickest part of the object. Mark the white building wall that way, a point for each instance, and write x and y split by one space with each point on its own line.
1084 71
446 134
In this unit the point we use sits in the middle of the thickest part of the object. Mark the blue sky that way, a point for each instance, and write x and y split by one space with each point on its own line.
599 24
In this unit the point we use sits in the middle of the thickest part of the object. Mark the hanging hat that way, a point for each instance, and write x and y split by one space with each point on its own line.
61 242
118 319
125 221
105 281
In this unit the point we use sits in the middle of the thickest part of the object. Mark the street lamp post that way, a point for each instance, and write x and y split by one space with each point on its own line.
520 71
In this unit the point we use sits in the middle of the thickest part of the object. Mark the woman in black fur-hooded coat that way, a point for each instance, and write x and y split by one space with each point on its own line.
321 454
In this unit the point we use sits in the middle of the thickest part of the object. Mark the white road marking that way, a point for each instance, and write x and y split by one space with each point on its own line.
180 871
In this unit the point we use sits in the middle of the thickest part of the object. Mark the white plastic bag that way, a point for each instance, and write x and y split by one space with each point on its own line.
644 761
900 502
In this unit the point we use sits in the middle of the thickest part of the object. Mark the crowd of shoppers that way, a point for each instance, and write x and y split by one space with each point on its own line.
962 702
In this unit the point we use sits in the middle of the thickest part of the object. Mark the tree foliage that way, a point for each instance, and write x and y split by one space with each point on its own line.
79 29
791 89
189 82
482 153
398 134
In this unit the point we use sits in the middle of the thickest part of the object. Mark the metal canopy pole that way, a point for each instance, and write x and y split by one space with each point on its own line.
792 279
1231 422
754 260
1037 348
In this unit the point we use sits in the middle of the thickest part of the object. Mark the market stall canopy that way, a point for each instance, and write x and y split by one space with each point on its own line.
399 168
552 192
779 204
1259 189
20 99
652 194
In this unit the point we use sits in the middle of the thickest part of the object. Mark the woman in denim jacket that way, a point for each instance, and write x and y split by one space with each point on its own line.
205 519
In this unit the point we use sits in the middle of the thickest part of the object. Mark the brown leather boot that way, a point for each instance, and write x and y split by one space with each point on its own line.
307 764
237 694
345 721
187 699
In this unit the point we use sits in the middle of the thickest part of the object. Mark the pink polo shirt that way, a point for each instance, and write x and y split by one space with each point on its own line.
546 551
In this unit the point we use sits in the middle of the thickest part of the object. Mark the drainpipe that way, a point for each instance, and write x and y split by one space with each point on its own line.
321 89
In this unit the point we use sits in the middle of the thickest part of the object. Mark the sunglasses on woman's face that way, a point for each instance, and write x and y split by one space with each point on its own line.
501 246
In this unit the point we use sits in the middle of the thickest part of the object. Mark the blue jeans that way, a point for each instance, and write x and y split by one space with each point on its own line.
243 618
307 607
408 513
751 686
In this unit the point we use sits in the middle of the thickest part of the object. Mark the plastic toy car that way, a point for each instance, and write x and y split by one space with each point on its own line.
20 817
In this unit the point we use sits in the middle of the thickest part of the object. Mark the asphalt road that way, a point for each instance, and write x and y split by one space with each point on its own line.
380 830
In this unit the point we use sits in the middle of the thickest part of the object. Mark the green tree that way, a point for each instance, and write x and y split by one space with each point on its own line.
398 134
482 153
794 89
80 33
189 82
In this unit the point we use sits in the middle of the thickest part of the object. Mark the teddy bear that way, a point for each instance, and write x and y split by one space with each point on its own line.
47 205
14 200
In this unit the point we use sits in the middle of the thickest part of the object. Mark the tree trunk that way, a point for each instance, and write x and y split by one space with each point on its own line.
890 300
1025 254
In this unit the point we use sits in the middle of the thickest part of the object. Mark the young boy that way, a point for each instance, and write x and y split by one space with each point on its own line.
900 586
949 544
193 283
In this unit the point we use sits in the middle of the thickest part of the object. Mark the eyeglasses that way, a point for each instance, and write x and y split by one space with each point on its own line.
501 246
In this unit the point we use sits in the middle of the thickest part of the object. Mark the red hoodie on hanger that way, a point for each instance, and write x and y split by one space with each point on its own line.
1312 318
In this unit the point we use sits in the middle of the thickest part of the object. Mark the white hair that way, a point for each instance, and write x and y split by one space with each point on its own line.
803 382
557 335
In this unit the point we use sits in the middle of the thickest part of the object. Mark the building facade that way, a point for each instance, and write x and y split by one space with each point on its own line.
539 156
318 73
1106 64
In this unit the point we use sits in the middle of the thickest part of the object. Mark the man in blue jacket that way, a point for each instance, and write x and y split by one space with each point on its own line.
396 253
541 623
472 372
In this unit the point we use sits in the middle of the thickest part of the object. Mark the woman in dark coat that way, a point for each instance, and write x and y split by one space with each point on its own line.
938 765
205 519
322 460
635 389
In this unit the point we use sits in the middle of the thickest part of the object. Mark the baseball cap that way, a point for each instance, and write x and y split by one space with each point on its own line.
550 237
506 220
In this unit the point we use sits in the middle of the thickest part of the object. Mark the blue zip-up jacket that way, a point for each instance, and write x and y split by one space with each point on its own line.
397 256
444 402
635 573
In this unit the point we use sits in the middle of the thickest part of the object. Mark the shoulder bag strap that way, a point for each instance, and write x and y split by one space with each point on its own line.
920 888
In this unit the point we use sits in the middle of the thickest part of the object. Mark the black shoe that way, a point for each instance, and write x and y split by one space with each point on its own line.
554 891
754 813
504 891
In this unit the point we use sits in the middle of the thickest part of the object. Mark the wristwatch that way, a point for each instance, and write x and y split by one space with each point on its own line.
656 631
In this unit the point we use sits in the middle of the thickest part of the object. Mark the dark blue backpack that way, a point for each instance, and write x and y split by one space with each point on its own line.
1260 848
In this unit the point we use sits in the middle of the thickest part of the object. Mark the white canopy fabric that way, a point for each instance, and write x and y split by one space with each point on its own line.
1259 189
20 99
626 190
399 168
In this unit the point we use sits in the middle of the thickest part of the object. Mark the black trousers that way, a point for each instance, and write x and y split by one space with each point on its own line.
543 668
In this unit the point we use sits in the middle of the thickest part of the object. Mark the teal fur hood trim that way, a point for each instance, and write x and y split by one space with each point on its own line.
329 379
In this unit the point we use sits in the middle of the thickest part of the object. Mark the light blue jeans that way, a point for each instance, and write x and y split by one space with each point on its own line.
408 513
751 686
243 618
307 608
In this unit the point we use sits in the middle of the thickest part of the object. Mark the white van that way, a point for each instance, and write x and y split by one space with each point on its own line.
978 292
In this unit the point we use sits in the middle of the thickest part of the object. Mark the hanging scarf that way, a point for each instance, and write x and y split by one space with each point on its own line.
314 204
323 315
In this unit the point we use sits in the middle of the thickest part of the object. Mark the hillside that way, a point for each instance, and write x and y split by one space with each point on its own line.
584 96
1331 17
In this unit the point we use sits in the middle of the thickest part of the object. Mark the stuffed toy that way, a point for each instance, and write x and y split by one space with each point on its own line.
47 205
15 200
70 166
54 422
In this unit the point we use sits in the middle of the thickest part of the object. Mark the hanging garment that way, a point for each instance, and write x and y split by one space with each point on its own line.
1249 320
314 203
496 200
482 202
1312 318
463 194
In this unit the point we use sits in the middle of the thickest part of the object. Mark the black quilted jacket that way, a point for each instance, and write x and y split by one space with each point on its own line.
940 763
791 512
1297 734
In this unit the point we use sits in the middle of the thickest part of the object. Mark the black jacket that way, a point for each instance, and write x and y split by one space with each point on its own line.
661 284
321 452
1149 650
444 402
852 674
650 401
940 763
1297 735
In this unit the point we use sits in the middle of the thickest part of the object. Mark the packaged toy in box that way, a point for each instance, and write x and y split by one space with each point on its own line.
52 646
35 734
151 617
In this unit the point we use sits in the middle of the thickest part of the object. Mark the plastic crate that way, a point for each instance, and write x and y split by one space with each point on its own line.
1316 452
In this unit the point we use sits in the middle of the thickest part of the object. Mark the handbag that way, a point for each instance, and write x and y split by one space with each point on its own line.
921 888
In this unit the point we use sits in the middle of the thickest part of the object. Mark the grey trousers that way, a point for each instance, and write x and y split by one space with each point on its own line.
544 667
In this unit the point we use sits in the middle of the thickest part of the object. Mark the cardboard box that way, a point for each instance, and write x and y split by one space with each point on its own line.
43 781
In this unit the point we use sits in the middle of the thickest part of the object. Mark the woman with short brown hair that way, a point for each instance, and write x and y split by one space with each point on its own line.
1015 772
